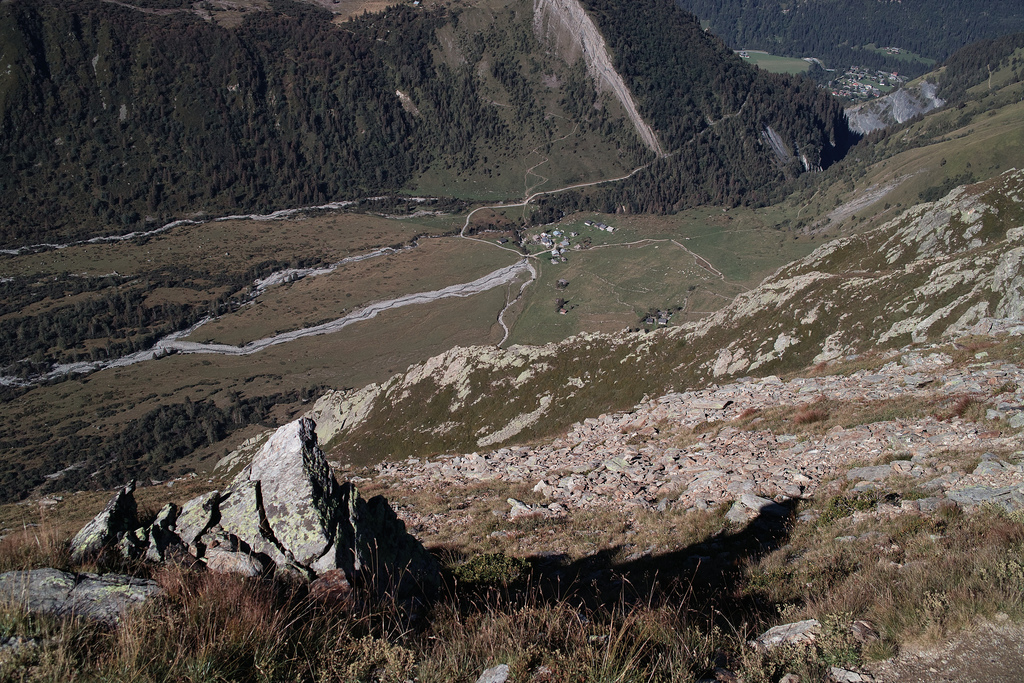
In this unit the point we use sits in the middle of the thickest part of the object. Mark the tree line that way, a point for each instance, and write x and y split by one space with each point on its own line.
838 31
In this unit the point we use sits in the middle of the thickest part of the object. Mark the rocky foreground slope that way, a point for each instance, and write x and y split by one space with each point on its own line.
759 441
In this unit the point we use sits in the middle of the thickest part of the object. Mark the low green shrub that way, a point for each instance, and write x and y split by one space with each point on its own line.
492 569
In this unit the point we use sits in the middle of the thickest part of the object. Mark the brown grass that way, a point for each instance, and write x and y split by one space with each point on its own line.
964 406
808 415
591 614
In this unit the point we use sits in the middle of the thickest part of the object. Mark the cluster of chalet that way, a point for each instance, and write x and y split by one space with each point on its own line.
599 226
658 318
559 242
862 83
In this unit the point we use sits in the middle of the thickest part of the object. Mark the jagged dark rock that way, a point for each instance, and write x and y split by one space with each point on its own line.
162 537
109 526
384 552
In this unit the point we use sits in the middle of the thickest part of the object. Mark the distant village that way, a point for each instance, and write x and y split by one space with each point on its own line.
859 83
559 242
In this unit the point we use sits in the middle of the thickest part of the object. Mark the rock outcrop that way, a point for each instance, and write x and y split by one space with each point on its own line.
634 459
285 513
119 517
898 107
104 598
938 270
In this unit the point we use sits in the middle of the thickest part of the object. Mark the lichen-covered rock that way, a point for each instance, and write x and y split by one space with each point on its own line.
133 544
288 507
299 493
242 516
118 517
284 512
796 633
196 516
232 562
103 597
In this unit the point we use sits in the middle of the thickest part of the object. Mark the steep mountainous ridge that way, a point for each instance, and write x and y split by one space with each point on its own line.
935 271
565 26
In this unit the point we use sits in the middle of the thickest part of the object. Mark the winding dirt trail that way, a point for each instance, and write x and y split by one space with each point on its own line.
526 261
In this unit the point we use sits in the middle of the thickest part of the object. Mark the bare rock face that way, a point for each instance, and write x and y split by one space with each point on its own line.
119 517
299 493
898 107
104 598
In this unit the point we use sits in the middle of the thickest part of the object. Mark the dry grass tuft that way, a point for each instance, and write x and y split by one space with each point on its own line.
34 545
567 600
963 406
809 415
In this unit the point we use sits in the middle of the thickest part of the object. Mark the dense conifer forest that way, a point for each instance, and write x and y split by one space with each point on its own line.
839 31
712 112
145 448
114 119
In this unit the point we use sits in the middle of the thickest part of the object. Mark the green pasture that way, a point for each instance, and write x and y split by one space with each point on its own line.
649 264
776 64
903 55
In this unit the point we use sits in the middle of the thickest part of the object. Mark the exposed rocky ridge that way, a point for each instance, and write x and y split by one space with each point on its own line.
634 458
937 270
897 107
283 513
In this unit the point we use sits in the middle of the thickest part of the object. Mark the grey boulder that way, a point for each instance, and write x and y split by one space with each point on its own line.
103 597
119 517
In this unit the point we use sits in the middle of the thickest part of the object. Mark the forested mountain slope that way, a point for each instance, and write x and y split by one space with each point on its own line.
112 118
734 135
839 31
111 115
